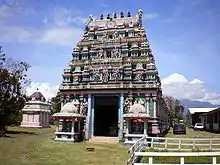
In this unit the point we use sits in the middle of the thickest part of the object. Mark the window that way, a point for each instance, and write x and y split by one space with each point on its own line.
126 34
137 127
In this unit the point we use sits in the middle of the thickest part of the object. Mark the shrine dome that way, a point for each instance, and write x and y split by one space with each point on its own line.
69 108
37 96
137 108
136 111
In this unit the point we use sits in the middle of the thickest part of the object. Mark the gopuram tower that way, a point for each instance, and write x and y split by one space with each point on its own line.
114 81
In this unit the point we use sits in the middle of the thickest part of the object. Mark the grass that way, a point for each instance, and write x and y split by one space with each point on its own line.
190 133
190 160
36 147
23 130
176 160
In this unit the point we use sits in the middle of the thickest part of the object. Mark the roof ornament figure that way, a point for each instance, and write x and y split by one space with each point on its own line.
140 12
122 14
101 17
108 16
114 15
129 14
139 15
91 18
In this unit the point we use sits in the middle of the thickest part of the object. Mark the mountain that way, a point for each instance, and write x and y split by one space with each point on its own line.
196 104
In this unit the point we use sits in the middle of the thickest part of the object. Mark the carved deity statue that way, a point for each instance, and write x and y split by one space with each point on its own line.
115 35
139 16
105 75
91 18
96 75
75 79
84 107
100 53
128 103
116 53
115 74
139 77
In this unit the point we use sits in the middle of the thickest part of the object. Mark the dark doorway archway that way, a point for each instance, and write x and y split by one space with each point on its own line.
106 116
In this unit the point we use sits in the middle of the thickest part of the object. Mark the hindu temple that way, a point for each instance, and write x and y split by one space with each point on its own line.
113 78
36 111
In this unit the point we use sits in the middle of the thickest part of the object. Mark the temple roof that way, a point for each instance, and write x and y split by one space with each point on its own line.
68 110
137 108
37 96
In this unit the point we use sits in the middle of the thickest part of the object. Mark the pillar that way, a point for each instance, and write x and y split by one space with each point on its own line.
88 118
155 106
92 116
78 125
120 116
127 126
145 127
147 98
73 124
148 110
72 129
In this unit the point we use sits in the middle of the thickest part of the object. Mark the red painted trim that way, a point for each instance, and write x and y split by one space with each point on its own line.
154 92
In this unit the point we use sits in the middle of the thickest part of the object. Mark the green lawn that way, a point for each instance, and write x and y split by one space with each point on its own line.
36 147
191 160
190 133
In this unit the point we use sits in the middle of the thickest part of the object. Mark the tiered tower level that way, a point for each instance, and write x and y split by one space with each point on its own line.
113 57
114 53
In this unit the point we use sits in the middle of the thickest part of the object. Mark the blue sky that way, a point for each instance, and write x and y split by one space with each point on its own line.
184 36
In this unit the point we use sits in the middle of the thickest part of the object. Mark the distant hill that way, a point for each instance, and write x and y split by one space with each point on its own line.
196 104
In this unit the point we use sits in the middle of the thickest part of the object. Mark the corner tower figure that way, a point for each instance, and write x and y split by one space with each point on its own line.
113 77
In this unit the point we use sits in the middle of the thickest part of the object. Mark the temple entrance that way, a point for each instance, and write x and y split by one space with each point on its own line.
106 116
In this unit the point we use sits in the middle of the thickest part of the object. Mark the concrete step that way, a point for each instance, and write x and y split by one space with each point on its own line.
104 139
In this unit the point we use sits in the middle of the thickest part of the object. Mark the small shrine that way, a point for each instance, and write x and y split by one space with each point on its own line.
36 112
136 117
70 123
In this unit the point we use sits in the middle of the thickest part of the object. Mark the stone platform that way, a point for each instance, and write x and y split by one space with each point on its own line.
104 139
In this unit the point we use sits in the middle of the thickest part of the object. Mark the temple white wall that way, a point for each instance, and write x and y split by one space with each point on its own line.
35 116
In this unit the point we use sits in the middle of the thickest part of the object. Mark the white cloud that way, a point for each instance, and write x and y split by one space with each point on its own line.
150 15
48 90
61 36
66 16
58 36
58 27
177 85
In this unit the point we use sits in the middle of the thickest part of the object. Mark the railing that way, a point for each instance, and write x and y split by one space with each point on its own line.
182 155
174 144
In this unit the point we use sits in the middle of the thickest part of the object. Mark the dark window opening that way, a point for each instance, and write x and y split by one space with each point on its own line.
126 34
108 54
129 53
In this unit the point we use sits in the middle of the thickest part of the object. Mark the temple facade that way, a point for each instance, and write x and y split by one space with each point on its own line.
113 77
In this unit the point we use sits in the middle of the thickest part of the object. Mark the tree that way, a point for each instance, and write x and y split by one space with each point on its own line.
55 106
13 80
176 109
56 103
